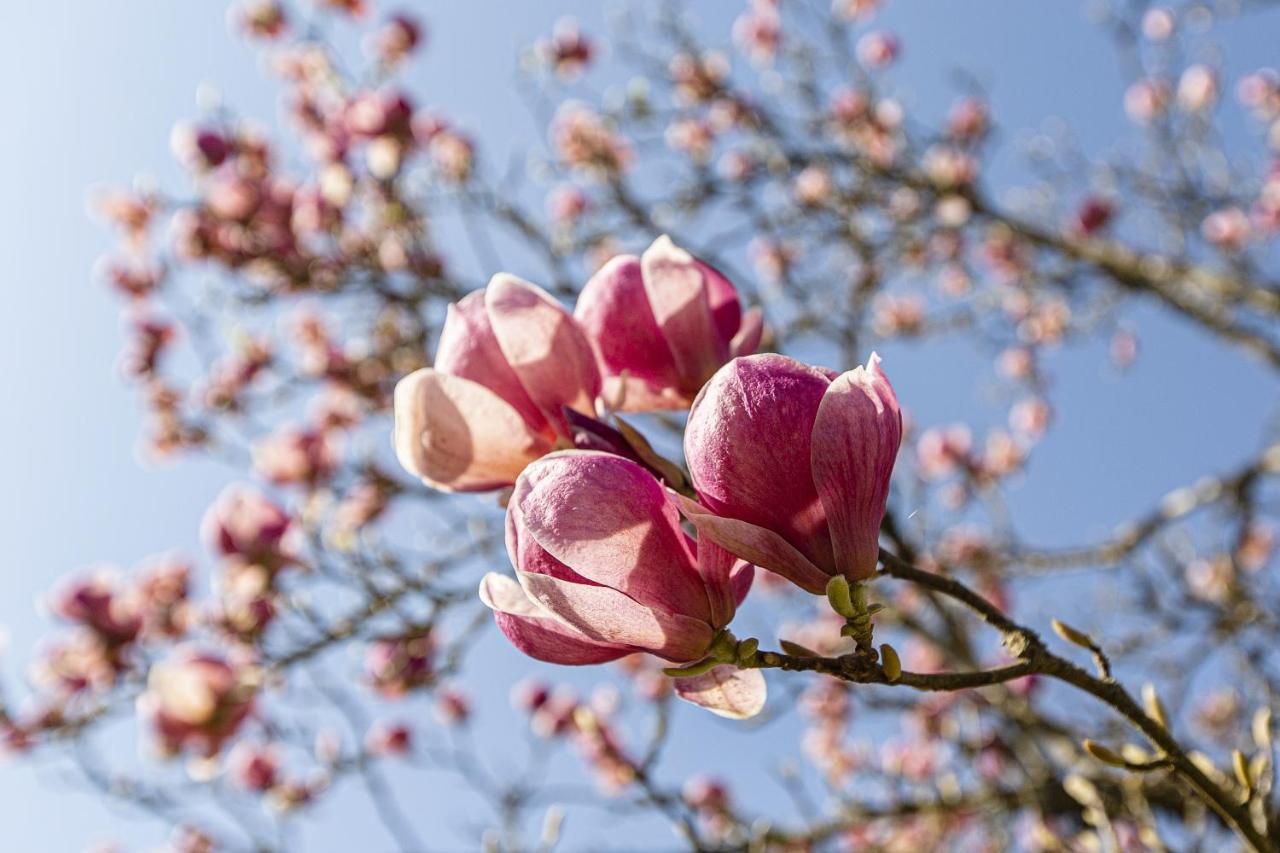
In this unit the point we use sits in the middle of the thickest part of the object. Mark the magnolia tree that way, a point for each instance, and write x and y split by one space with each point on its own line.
690 477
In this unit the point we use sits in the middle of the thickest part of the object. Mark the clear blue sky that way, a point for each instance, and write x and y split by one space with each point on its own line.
90 91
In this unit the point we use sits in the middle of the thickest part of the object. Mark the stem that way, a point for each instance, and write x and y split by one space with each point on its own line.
1036 658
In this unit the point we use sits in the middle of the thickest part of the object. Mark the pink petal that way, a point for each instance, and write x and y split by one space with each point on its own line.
757 545
607 616
468 348
747 340
855 443
740 579
716 566
722 297
609 520
614 311
544 346
457 435
725 690
537 634
677 291
747 445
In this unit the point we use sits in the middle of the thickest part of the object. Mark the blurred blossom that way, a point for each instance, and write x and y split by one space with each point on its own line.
878 49
566 205
1197 89
396 665
399 37
1030 417
586 141
1158 23
244 523
1146 99
855 10
812 186
389 739
968 120
262 18
254 766
698 79
1228 228
691 136
1093 215
758 31
567 52
295 456
197 700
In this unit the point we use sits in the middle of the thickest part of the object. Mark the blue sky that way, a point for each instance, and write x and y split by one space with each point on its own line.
91 91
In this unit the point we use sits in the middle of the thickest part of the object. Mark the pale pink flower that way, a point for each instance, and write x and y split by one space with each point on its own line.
196 700
878 49
1228 228
510 361
1146 99
1197 88
244 523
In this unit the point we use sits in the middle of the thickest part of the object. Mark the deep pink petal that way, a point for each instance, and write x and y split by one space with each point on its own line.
457 435
758 545
609 520
614 311
855 443
468 348
747 445
608 616
722 297
544 346
716 565
678 294
725 690
537 634
747 340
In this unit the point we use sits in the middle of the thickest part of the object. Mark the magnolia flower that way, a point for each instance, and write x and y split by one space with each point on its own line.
603 569
196 700
509 363
661 325
244 523
792 463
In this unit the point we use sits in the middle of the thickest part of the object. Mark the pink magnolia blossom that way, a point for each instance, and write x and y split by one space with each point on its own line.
661 325
196 700
596 584
511 360
397 665
254 766
792 465
244 523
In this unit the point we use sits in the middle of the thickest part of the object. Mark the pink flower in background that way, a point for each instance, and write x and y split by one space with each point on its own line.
196 700
400 36
1197 88
792 465
253 766
661 325
397 665
568 52
878 49
758 31
294 456
244 523
604 569
510 361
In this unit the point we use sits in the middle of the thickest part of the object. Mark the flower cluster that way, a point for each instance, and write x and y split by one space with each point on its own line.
789 464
